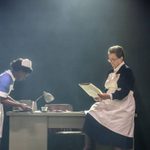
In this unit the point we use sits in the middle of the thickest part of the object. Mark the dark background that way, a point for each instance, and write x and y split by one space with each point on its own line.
67 40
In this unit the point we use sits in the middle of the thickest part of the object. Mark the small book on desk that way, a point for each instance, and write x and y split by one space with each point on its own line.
90 89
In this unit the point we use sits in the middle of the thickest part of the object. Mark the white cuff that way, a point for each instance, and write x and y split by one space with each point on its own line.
110 96
3 94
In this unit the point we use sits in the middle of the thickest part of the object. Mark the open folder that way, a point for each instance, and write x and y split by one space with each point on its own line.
90 89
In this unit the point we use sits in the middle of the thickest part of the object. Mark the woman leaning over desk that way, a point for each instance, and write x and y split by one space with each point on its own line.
20 69
110 121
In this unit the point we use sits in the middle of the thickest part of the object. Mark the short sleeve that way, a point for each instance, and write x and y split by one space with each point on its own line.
5 83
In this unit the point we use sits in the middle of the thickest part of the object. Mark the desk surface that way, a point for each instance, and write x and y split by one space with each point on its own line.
39 113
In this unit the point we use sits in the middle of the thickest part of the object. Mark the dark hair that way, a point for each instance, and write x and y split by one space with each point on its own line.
16 65
118 50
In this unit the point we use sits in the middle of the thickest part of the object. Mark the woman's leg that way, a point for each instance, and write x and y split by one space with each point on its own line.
0 144
89 144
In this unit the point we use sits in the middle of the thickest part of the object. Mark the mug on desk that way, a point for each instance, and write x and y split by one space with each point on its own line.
44 109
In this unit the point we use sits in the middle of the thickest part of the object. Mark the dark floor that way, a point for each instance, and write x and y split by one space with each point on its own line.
65 142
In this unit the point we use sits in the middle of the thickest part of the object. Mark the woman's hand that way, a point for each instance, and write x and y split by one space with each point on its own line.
25 107
104 96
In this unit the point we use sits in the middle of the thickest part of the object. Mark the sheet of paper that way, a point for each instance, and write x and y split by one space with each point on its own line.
90 89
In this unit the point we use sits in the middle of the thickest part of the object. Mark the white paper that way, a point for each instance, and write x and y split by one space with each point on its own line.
90 89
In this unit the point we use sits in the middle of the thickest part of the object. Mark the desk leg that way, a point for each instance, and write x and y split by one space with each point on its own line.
28 133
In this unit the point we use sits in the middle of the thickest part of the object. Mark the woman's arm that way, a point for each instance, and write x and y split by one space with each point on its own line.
11 102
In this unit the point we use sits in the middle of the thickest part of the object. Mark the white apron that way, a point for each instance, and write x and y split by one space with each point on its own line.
1 119
116 115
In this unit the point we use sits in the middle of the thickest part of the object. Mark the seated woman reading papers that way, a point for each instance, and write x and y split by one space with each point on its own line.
110 120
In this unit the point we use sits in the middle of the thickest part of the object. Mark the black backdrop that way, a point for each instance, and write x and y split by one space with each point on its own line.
67 41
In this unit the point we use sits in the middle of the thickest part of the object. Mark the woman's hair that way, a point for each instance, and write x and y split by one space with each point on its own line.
118 50
21 64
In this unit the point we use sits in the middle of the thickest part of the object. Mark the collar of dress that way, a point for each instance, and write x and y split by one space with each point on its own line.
119 66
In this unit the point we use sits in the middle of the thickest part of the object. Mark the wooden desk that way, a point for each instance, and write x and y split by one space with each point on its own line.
28 131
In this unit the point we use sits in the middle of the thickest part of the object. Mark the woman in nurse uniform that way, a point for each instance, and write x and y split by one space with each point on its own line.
20 69
110 121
